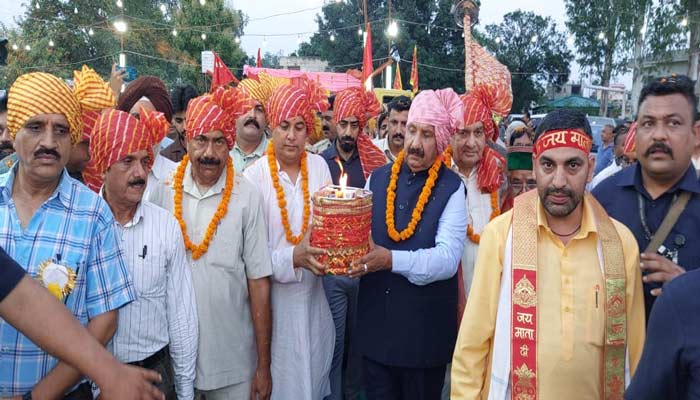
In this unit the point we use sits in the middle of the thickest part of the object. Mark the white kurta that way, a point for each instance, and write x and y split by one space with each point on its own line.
478 215
303 334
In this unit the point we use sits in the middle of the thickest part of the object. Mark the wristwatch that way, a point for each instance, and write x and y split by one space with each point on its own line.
27 396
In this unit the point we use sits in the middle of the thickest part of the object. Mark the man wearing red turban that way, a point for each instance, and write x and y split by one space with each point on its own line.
221 218
481 167
352 147
303 334
157 331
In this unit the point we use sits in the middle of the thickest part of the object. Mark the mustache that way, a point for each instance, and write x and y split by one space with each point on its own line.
559 192
347 139
416 151
397 135
138 181
251 121
209 161
6 145
47 152
659 146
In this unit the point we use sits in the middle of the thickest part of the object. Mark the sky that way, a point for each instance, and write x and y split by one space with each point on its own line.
300 22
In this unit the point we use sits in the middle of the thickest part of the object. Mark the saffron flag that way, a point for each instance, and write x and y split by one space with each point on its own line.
367 67
414 70
398 85
222 75
258 63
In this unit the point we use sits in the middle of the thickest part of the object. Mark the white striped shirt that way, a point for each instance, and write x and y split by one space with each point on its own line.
165 311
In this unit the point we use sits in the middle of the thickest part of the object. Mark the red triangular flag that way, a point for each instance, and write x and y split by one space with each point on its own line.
221 75
258 62
367 67
414 70
398 85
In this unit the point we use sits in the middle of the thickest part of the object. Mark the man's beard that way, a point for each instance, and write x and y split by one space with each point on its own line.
347 144
6 149
560 210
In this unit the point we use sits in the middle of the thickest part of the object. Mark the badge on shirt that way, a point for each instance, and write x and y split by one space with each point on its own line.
59 279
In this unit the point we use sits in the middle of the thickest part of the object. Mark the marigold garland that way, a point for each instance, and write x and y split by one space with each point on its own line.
447 156
417 213
198 250
282 203
496 211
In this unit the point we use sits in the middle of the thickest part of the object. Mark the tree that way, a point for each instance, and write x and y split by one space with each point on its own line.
673 25
269 60
425 23
534 51
150 45
220 24
605 33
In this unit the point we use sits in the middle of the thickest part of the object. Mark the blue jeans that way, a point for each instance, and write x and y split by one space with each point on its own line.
341 293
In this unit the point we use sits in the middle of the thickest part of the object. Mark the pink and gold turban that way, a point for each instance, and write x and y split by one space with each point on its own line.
480 105
301 98
117 134
485 101
630 140
441 109
261 86
41 93
217 111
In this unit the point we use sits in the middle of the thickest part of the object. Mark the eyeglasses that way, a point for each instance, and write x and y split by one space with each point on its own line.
518 185
624 161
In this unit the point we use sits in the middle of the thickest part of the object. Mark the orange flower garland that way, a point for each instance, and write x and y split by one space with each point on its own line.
282 203
447 156
422 199
496 211
221 210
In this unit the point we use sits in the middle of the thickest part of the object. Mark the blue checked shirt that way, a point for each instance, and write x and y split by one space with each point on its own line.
74 227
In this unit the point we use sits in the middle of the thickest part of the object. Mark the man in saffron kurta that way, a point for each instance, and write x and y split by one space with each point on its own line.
407 319
556 308
221 218
302 330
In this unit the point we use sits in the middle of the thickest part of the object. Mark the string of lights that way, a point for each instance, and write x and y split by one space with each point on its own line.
119 23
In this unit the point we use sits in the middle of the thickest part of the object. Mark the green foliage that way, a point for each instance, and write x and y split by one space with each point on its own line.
666 32
269 60
605 32
533 64
149 44
616 21
443 47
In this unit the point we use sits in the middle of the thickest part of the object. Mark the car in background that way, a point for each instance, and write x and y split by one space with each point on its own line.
597 124
384 96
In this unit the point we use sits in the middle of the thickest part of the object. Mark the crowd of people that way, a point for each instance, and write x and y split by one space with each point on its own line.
155 244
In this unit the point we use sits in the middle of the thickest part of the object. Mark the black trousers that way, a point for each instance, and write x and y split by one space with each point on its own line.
384 382
82 392
162 364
